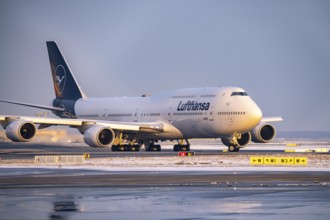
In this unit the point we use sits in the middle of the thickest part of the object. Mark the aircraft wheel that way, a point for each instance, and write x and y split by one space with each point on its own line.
157 147
114 148
179 147
233 148
186 147
154 147
135 148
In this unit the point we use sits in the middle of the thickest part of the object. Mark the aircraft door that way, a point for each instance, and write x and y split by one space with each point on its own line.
104 115
211 116
170 115
229 115
137 115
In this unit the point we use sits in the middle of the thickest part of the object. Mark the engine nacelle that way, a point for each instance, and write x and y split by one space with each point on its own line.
263 133
244 140
21 131
98 136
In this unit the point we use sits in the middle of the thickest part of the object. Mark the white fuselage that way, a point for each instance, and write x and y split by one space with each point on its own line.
195 113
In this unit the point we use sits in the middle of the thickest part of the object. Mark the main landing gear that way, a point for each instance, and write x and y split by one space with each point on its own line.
151 146
127 146
122 144
181 146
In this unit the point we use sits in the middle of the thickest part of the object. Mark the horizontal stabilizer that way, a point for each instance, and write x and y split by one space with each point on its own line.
51 108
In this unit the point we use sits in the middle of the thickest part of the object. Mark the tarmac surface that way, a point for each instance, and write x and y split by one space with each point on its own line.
117 185
36 193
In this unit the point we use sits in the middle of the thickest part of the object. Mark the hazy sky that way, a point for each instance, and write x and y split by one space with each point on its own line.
278 51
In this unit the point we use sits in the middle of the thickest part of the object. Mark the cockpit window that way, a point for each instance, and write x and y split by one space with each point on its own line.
239 94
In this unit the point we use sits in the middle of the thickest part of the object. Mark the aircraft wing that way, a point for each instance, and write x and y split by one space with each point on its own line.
146 127
272 119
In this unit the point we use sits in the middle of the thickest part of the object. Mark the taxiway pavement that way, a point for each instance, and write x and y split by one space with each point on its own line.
160 185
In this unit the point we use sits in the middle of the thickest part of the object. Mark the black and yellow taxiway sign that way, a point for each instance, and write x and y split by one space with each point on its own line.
278 161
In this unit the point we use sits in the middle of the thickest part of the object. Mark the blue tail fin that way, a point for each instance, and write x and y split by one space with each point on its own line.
65 85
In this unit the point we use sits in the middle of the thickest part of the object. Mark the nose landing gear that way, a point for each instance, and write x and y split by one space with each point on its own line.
233 148
236 141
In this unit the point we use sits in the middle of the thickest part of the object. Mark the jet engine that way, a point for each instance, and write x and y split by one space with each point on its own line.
21 131
241 142
98 136
263 133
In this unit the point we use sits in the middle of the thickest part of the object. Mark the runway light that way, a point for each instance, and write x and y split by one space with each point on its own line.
184 153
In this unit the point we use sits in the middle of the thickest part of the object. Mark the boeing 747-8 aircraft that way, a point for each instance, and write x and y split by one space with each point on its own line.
128 123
